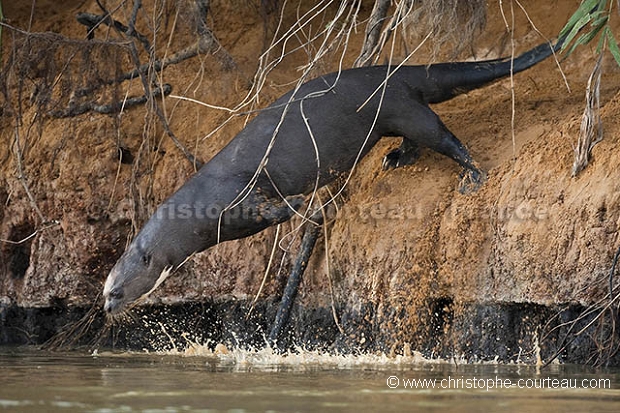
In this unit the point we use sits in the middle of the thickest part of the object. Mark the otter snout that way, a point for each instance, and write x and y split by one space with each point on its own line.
113 301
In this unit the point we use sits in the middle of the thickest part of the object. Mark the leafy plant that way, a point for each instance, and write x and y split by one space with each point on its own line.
592 17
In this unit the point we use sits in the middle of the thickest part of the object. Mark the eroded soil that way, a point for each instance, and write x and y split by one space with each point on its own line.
409 258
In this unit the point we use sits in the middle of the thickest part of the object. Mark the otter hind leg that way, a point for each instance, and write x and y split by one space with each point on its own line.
471 177
424 128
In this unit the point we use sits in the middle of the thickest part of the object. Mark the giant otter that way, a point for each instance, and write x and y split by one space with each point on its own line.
302 141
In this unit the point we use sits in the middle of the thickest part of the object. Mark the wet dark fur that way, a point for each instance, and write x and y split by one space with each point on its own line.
345 121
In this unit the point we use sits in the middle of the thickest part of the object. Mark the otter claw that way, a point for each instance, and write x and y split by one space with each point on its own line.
391 160
471 180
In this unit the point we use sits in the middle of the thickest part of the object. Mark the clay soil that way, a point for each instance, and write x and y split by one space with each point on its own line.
408 258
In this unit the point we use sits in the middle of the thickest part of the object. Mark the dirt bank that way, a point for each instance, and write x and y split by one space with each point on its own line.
411 262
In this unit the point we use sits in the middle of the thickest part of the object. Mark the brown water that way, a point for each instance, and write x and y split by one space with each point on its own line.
36 381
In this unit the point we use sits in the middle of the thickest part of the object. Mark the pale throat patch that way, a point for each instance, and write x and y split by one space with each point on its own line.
165 274
109 282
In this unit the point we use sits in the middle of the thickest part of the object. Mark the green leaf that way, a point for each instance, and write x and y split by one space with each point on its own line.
601 40
602 17
585 38
582 11
574 30
613 46
592 13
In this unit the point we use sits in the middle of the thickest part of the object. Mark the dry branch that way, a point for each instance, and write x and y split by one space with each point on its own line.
591 130
448 20
373 32
206 43
612 271
135 58
311 234
92 21
114 107
146 72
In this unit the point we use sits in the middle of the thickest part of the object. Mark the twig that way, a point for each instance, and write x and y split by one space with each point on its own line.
22 175
137 5
206 43
45 226
332 294
197 163
511 29
555 57
133 52
70 334
262 284
115 107
199 47
92 21
611 273
597 312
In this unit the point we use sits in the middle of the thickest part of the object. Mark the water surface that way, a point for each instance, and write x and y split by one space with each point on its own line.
241 381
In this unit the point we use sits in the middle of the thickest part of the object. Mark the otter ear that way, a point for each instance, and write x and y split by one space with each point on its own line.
146 259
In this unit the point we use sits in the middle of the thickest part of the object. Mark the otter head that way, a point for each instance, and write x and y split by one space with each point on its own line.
136 274
169 238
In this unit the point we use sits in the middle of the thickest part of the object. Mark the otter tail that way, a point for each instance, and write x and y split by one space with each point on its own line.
447 80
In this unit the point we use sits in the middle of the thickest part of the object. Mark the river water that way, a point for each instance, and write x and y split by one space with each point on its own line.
32 380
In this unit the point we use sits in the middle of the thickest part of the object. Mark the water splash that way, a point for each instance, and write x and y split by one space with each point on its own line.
267 358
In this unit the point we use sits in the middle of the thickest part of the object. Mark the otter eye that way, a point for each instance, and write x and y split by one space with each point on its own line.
146 259
116 294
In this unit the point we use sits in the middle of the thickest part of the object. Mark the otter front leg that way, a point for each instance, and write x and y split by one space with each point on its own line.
275 211
253 214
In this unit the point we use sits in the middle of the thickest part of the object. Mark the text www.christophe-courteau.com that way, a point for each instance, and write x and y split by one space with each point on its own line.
396 382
